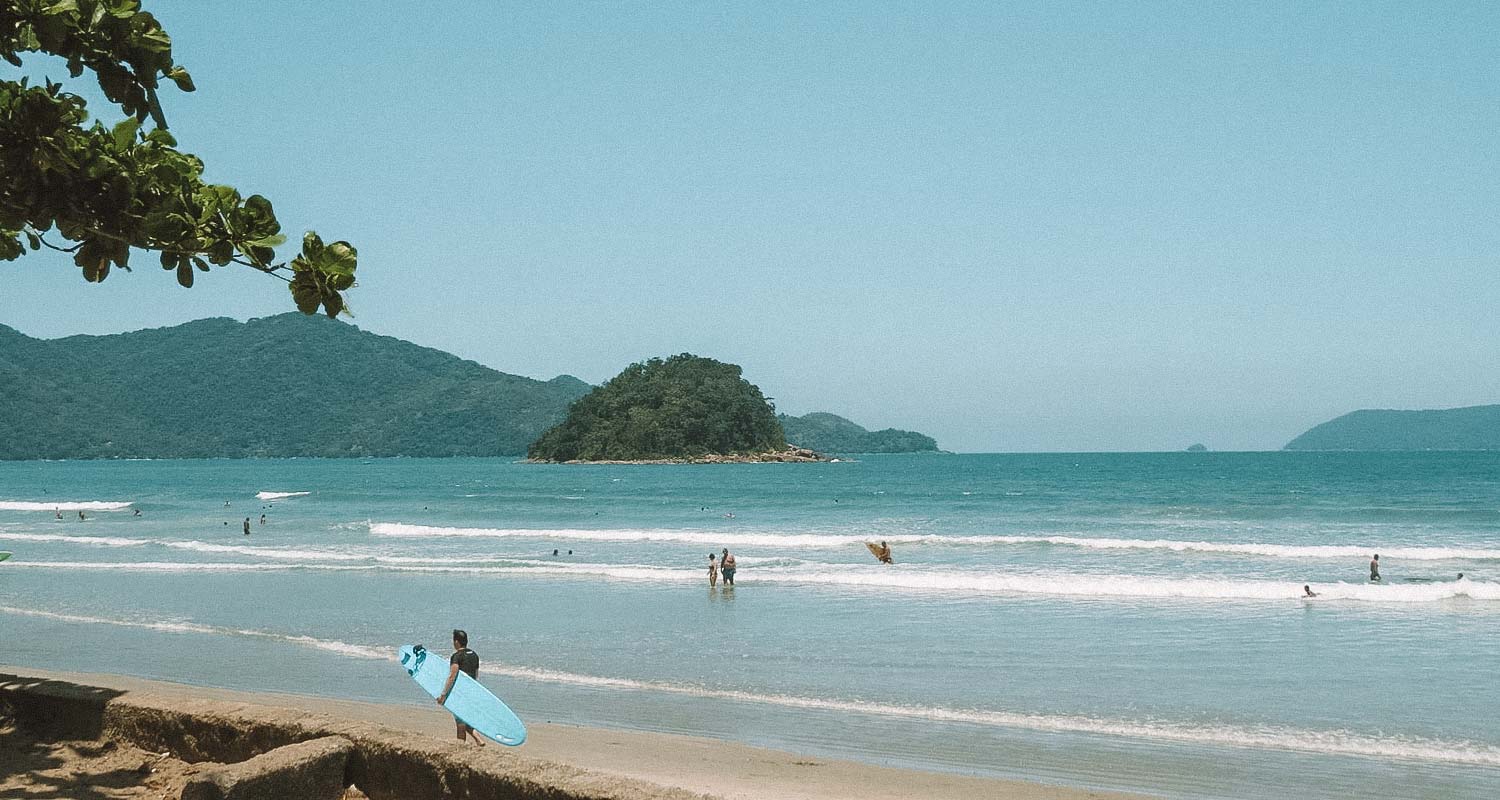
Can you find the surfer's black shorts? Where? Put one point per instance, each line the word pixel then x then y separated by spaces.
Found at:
pixel 729 574
pixel 463 730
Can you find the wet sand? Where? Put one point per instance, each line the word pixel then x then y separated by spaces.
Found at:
pixel 708 766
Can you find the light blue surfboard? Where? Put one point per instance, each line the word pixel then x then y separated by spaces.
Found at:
pixel 473 704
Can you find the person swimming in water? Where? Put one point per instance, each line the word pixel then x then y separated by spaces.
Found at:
pixel 1308 592
pixel 1375 568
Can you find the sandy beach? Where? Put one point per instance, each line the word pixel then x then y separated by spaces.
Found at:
pixel 705 766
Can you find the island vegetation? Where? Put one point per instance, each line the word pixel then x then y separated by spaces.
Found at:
pixel 282 386
pixel 831 433
pixel 682 408
pixel 1470 428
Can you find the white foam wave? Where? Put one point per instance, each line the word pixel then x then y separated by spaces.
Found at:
pixel 157 566
pixel 1123 586
pixel 279 495
pixel 97 541
pixel 707 538
pixel 938 582
pixel 69 505
pixel 1328 742
pixel 1335 742
pixel 167 626
pixel 281 554
pixel 1336 552
pixel 819 540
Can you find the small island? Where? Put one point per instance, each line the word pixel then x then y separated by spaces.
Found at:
pixel 682 409
pixel 1197 448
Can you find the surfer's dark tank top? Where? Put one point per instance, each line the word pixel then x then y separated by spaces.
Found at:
pixel 467 661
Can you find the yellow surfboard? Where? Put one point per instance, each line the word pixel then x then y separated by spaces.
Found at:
pixel 882 554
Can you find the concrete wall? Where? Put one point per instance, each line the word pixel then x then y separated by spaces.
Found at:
pixel 386 763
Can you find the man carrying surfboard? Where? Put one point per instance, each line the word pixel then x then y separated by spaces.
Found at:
pixel 467 661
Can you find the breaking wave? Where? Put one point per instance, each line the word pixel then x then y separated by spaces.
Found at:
pixel 279 495
pixel 69 505
pixel 962 583
pixel 820 540
pixel 342 648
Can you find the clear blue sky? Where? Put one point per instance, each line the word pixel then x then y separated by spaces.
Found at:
pixel 1015 226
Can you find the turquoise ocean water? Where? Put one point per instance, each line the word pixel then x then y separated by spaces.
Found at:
pixel 1122 621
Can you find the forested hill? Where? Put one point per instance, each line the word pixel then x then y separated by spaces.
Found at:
pixel 684 407
pixel 830 433
pixel 288 385
pixel 1471 428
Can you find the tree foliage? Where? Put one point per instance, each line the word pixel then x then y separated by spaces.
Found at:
pixel 685 406
pixel 111 190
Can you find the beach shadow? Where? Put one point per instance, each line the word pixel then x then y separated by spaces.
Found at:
pixel 54 709
pixel 33 766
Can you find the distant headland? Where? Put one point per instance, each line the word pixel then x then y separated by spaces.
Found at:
pixel 1470 428
pixel 831 433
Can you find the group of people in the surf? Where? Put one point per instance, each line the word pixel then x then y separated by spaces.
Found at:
pixel 1374 577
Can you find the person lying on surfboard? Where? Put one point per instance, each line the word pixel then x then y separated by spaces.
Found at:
pixel 468 661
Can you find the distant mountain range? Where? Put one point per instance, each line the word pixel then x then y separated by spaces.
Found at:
pixel 292 385
pixel 288 385
pixel 830 433
pixel 1471 428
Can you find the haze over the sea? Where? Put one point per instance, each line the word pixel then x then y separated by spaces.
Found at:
pixel 1035 226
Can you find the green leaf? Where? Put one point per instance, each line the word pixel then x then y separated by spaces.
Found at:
pixel 161 136
pixel 61 7
pixel 312 248
pixel 184 81
pixel 185 275
pixel 124 133
pixel 305 293
pixel 340 258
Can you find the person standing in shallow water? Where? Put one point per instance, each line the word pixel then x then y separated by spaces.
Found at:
pixel 247 526
pixel 726 567
pixel 1375 568
pixel 713 571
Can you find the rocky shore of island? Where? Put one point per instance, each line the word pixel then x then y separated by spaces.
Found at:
pixel 787 455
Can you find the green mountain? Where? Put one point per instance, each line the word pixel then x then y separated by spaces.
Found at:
pixel 288 385
pixel 830 433
pixel 683 407
pixel 1472 428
